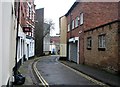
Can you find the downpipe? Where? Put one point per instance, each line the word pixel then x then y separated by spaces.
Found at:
pixel 19 79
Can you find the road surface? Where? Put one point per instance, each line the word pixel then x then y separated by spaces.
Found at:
pixel 55 73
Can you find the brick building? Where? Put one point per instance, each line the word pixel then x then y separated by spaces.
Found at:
pixel 93 34
pixel 25 48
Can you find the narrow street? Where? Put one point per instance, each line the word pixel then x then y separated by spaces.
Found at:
pixel 55 73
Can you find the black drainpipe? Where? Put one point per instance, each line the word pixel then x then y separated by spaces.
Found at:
pixel 70 25
pixel 16 67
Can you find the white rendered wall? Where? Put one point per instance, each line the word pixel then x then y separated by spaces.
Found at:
pixel 8 43
pixel 0 44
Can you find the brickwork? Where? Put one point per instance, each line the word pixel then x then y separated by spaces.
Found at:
pixel 96 14
pixel 107 59
pixel 119 45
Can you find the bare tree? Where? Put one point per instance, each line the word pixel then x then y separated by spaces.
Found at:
pixel 51 26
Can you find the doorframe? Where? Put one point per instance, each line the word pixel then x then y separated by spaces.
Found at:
pixel 72 40
pixel 78 51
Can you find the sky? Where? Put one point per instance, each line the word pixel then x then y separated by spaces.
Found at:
pixel 54 9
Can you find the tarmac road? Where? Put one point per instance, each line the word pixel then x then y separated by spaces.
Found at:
pixel 55 73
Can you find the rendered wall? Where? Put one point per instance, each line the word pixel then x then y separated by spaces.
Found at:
pixel 63 37
pixel 8 42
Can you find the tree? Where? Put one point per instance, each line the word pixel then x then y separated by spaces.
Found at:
pixel 50 27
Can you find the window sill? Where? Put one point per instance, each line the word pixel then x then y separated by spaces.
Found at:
pixel 81 24
pixel 101 49
pixel 88 48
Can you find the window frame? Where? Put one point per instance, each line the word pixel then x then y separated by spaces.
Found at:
pixel 73 24
pixel 68 27
pixel 81 18
pixel 77 21
pixel 102 42
pixel 89 43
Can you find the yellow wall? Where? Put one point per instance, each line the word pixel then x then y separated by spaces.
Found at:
pixel 63 36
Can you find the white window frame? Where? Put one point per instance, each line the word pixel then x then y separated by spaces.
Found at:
pixel 76 21
pixel 81 18
pixel 102 41
pixel 89 42
pixel 73 24
pixel 68 27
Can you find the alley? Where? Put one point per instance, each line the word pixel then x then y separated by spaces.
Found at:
pixel 55 73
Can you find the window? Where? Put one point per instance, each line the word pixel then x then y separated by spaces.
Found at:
pixel 68 27
pixel 73 24
pixel 81 18
pixel 89 43
pixel 76 21
pixel 101 42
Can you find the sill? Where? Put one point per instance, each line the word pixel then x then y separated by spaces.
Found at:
pixel 76 27
pixel 101 49
pixel 88 48
pixel 81 24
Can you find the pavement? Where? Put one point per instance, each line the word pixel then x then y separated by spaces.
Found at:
pixel 100 75
pixel 27 71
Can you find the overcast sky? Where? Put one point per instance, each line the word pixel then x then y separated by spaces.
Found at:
pixel 53 9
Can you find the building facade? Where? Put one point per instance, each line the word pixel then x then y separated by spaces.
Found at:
pixel 63 37
pixel 8 30
pixel 93 34
pixel 46 39
pixel 17 37
pixel 39 28
pixel 26 41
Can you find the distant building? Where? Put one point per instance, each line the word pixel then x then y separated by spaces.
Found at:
pixel 93 34
pixel 46 39
pixel 55 45
pixel 39 28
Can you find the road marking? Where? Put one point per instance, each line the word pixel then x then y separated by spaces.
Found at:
pixel 87 77
pixel 45 84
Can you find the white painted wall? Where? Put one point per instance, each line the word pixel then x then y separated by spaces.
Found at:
pixel 25 46
pixel 46 43
pixel 0 44
pixel 31 44
pixel 21 44
pixel 8 43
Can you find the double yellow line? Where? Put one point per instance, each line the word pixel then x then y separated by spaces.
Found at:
pixel 44 83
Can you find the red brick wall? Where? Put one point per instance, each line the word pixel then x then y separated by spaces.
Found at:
pixel 95 14
pixel 98 13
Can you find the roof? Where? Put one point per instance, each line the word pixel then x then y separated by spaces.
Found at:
pixel 55 39
pixel 73 6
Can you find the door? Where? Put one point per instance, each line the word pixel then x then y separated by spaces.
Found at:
pixel 27 50
pixel 73 51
